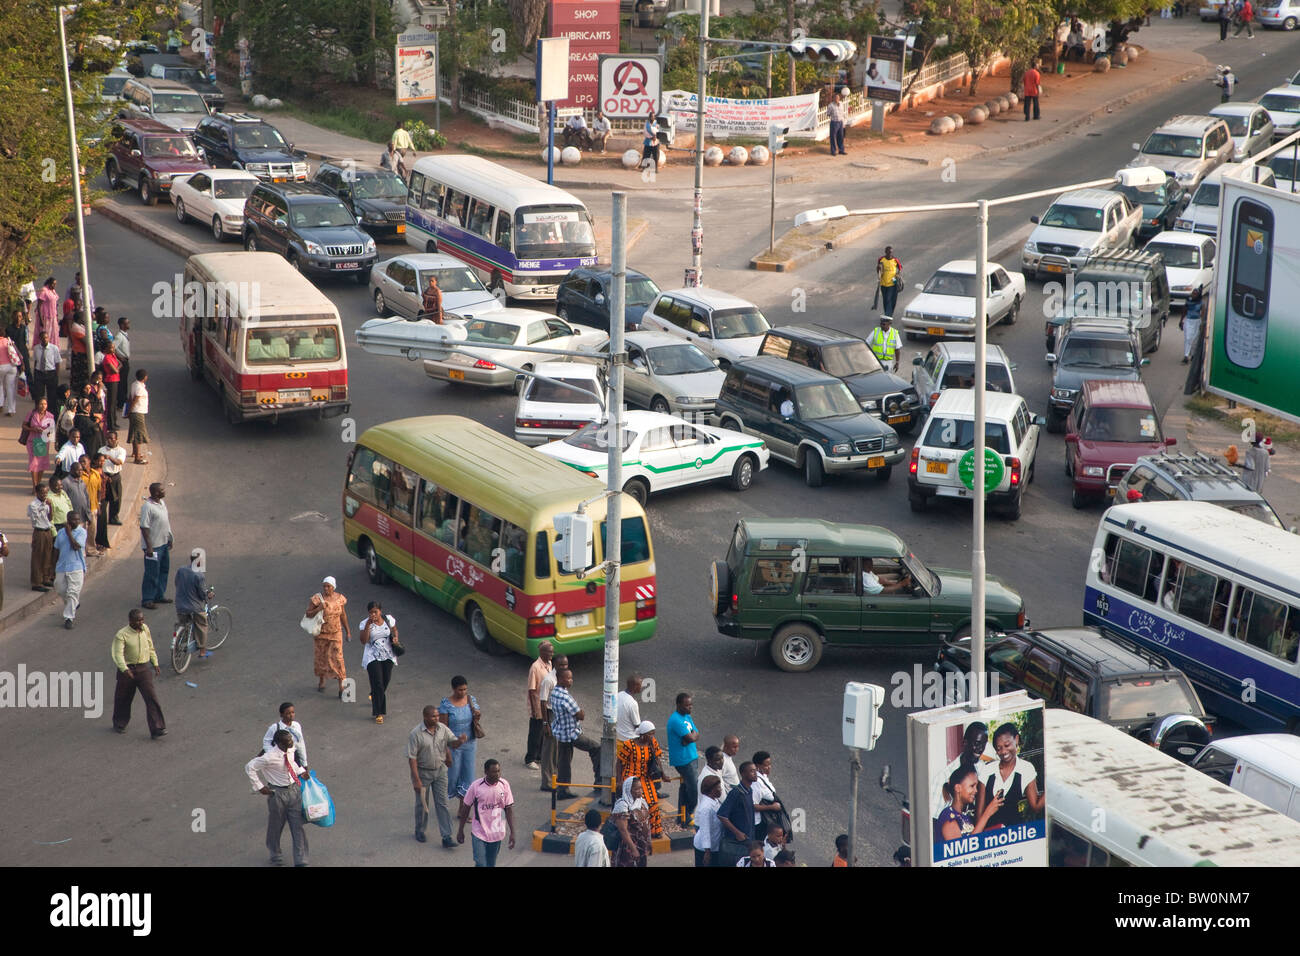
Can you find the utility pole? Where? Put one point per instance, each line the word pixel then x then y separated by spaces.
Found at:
pixel 695 277
pixel 77 212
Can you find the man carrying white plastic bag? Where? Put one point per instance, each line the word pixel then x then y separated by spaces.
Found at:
pixel 273 774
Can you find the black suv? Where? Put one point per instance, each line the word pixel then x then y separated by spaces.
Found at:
pixel 1127 286
pixel 1198 477
pixel 1090 349
pixel 377 197
pixel 246 142
pixel 851 360
pixel 1098 674
pixel 583 297
pixel 310 227
pixel 809 419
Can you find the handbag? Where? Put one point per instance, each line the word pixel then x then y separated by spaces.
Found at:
pixel 611 835
pixel 779 818
pixel 311 623
pixel 398 648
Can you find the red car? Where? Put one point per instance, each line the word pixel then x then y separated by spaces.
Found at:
pixel 144 155
pixel 1111 426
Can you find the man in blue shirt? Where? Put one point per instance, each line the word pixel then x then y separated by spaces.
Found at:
pixel 682 753
pixel 70 569
pixel 192 600
pixel 737 817
pixel 566 728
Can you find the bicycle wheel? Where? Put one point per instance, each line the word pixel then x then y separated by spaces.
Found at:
pixel 181 642
pixel 218 626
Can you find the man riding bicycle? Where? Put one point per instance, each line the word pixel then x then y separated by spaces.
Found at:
pixel 192 594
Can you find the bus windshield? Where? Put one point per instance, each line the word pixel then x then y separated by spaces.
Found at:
pixel 269 345
pixel 553 232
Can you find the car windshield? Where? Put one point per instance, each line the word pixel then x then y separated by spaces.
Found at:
pixel 259 137
pixel 112 85
pixel 852 358
pixel 922 575
pixel 738 323
pixel 1168 144
pixel 681 359
pixel 1280 103
pixel 497 333
pixel 232 188
pixel 175 147
pixel 1073 217
pixel 453 279
pixel 1139 697
pixel 952 283
pixel 1122 425
pixel 1146 195
pixel 1207 195
pixel 553 232
pixel 278 346
pixel 178 103
pixel 319 215
pixel 959 435
pixel 563 391
pixel 595 437
pixel 1096 353
pixel 639 291
pixel 1177 256
pixel 380 186
pixel 997 378
pixel 825 401
pixel 184 75
pixel 1237 125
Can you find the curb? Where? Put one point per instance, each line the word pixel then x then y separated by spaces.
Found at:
pixel 544 841
pixel 839 241
pixel 164 237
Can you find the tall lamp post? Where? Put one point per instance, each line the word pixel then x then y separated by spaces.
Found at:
pixel 78 217
pixel 696 276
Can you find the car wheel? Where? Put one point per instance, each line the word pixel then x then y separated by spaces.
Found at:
pixel 660 404
pixel 478 631
pixel 373 570
pixel 1014 312
pixel 882 474
pixel 917 502
pixel 562 312
pixel 723 365
pixel 1078 499
pixel 797 648
pixel 380 304
pixel 114 177
pixel 907 429
pixel 1029 475
pixel 637 490
pixel 218 233
pixel 910 335
pixel 742 476
pixel 180 210
pixel 250 242
pixel 361 278
pixel 1289 24
pixel 719 586
pixel 146 194
pixel 1012 511
pixel 1069 469
pixel 296 263
pixel 813 471
pixel 498 289
pixel 732 424
pixel 1029 274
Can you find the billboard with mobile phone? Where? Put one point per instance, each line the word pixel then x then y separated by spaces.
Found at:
pixel 1254 337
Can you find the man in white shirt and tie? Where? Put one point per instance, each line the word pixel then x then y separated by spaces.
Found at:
pixel 273 774
pixel 45 369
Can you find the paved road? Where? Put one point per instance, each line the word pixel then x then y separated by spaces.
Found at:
pixel 264 501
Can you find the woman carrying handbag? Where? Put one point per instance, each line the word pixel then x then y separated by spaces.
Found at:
pixel 379 656
pixel 10 365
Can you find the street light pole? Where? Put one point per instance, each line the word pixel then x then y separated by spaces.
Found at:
pixel 977 535
pixel 76 196
pixel 697 223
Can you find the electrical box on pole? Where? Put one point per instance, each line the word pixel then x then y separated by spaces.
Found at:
pixel 572 546
pixel 862 721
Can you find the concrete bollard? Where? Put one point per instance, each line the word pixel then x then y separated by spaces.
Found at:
pixel 1101 64
pixel 976 115
pixel 571 156
pixel 942 125
pixel 759 156
pixel 738 156
pixel 713 156
pixel 631 158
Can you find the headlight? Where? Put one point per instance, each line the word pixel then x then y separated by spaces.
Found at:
pixel 256 168
pixel 1031 248
pixel 370 245
pixel 1152 222
pixel 870 404
pixel 300 169
pixel 891 441
pixel 693 400
pixel 373 217
pixel 1085 250
pixel 909 314
pixel 1063 393
pixel 234 219
pixel 163 177
pixel 312 248
pixel 843 448
pixel 1094 471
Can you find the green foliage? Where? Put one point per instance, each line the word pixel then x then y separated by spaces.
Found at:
pixel 425 138
pixel 1103 10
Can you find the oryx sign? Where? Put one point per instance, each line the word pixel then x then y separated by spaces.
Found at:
pixel 630 86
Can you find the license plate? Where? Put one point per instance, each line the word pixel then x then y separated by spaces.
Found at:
pixel 401 229
pixel 455 374
pixel 934 331
pixel 577 620
pixel 1052 267
pixel 876 462
pixel 936 467
pixel 278 179
pixel 343 266
pixel 1110 492
pixel 899 419
pixel 295 394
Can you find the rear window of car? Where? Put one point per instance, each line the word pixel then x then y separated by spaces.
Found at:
pixel 959 435
pixel 1139 697
pixel 962 375
pixel 568 391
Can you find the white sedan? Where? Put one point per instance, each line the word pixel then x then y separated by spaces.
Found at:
pixel 489 340
pixel 946 306
pixel 1189 261
pixel 663 451
pixel 215 197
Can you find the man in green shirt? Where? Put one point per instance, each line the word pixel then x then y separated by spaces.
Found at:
pixel 60 503
pixel 133 655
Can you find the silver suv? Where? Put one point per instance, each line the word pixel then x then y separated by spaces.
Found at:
pixel 1198 477
pixel 952 365
pixel 1187 148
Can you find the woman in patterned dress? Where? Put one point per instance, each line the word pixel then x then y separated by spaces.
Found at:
pixel 328 644
pixel 635 758
pixel 631 815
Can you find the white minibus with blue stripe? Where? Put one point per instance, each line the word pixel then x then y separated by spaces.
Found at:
pixel 1215 592
pixel 521 235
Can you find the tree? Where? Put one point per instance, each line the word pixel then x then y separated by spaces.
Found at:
pixel 1090 11
pixel 528 16
pixel 36 188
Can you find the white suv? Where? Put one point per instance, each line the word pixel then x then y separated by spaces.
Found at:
pixel 723 326
pixel 1079 225
pixel 1011 432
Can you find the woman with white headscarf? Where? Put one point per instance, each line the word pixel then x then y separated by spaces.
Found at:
pixel 631 815
pixel 328 644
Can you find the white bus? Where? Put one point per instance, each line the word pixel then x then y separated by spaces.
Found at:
pixel 521 235
pixel 1215 592
pixel 1115 801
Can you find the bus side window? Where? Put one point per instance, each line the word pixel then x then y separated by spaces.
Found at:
pixel 429 511
pixel 1195 595
pixel 502 239
pixel 434 194
pixel 514 542
pixel 231 335
pixel 415 189
pixel 541 557
pixel 1271 627
pixel 362 479
pixel 481 531
pixel 1132 562
pixel 455 208
pixel 1065 848
pixel 1111 547
pixel 402 492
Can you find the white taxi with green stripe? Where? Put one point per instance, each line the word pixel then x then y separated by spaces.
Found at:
pixel 664 451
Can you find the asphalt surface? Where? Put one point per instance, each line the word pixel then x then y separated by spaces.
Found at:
pixel 265 502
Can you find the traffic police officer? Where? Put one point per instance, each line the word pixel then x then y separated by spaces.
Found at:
pixel 885 343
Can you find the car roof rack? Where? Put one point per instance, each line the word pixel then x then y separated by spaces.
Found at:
pixel 238 117
pixel 1124 643
pixel 1198 466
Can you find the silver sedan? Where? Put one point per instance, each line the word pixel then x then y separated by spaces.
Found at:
pixel 667 375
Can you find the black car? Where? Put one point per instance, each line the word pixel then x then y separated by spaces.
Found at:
pixel 168 66
pixel 1160 205
pixel 1098 674
pixel 246 142
pixel 583 297
pixel 809 419
pixel 377 197
pixel 850 359
pixel 310 227
pixel 1090 349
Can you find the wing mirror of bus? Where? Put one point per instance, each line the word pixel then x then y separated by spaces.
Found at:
pixel 1171 441
pixel 281 221
pixel 1145 362
pixel 1072 438
pixel 1040 420
pixel 1034 220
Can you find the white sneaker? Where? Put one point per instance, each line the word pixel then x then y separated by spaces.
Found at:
pixel 533 765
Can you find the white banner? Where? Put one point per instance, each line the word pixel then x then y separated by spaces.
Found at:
pixel 417 68
pixel 726 117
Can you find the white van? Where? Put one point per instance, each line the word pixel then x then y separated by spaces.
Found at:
pixel 1263 766
pixel 1202 213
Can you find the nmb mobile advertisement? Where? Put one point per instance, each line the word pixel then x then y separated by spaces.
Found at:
pixel 976 779
pixel 1255 336
pixel 417 68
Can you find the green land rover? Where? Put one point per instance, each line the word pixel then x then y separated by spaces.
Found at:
pixel 803 583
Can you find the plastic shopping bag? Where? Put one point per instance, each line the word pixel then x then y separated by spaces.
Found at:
pixel 317 804
pixel 311 623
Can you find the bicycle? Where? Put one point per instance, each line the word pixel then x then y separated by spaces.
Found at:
pixel 184 643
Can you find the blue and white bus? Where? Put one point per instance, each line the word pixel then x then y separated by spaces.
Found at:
pixel 521 235
pixel 1214 591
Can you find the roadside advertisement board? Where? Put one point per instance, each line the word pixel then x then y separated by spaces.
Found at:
pixel 1255 332
pixel 591 27
pixel 726 117
pixel 630 86
pixel 884 79
pixel 417 68
pixel 977 784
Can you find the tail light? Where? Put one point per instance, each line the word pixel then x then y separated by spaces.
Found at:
pixel 338 393
pixel 591 473
pixel 1015 471
pixel 645 609
pixel 248 398
pixel 735 603
pixel 546 423
pixel 916 454
pixel 484 363
pixel 1020 618
pixel 541 626
pixel 934 397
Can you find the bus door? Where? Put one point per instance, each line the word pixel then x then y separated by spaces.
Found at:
pixel 386 491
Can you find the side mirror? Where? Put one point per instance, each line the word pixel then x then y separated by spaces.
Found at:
pixel 1014 366
pixel 1034 220
pixel 1040 420
pixel 920 287
pixel 520 381
pixel 1138 147
pixel 600 298
pixel 1051 358
pixel 281 222
pixel 135 152
pixel 705 334
pixel 1170 441
pixel 717 363
pixel 917 360
pixel 1072 438
pixel 1144 362
pixel 408 288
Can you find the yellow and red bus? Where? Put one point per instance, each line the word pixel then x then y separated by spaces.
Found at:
pixel 464 516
